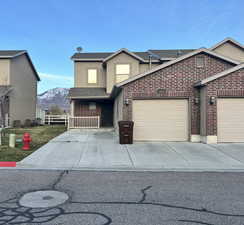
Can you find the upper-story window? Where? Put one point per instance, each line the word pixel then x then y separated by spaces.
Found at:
pixel 200 61
pixel 122 72
pixel 92 76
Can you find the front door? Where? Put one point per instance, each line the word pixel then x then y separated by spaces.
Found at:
pixel 107 115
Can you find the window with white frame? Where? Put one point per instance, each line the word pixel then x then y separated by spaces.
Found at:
pixel 92 106
pixel 92 76
pixel 200 61
pixel 122 72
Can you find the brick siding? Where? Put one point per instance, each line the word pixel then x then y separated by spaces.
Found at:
pixel 176 81
pixel 231 85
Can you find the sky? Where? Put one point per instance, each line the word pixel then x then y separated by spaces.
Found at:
pixel 51 30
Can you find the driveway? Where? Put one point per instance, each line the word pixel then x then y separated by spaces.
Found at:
pixel 99 149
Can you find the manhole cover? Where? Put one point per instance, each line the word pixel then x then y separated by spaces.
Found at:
pixel 43 199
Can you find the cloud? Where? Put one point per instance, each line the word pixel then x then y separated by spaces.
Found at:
pixel 55 77
pixel 49 81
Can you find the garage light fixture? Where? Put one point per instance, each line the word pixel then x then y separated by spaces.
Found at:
pixel 212 100
pixel 196 101
pixel 127 101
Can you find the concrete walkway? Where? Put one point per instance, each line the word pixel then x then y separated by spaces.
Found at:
pixel 99 149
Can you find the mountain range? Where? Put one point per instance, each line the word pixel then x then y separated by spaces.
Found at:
pixel 56 96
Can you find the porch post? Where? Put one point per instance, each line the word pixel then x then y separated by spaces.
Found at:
pixel 72 106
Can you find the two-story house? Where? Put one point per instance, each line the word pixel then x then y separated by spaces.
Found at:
pixel 95 74
pixel 171 95
pixel 18 87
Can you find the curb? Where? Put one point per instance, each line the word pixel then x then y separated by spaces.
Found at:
pixel 7 164
pixel 156 170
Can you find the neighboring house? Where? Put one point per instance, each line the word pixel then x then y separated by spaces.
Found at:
pixel 18 87
pixel 171 95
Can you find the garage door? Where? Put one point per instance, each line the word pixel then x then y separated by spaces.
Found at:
pixel 230 119
pixel 160 120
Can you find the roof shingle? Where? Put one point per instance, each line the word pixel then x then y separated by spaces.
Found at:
pixel 170 53
pixel 10 53
pixel 157 54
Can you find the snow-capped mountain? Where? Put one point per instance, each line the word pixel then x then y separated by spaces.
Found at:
pixel 55 96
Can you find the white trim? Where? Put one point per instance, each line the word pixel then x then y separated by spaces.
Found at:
pixel 164 65
pixel 195 138
pixel 219 75
pixel 226 40
pixel 126 51
pixel 211 139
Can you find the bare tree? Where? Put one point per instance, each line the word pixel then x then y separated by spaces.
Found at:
pixel 4 93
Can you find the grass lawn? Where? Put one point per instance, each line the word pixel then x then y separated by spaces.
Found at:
pixel 40 135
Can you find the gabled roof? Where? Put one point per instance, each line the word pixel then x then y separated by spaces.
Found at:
pixel 156 55
pixel 10 54
pixel 219 75
pixel 126 51
pixel 164 65
pixel 228 39
pixel 88 93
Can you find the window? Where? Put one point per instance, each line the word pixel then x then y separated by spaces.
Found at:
pixel 92 76
pixel 200 61
pixel 92 106
pixel 122 72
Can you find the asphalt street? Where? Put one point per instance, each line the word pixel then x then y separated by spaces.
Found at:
pixel 124 198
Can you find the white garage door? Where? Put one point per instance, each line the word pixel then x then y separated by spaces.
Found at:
pixel 230 119
pixel 160 120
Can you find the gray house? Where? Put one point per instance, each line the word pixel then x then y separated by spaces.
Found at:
pixel 18 87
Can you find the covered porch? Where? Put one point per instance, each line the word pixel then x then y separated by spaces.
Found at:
pixel 90 110
pixel 93 113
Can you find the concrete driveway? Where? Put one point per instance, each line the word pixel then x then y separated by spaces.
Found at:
pixel 99 149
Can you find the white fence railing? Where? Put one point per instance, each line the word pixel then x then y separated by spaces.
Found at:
pixel 40 113
pixel 84 122
pixel 53 119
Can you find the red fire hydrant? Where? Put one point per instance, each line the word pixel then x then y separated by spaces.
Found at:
pixel 26 141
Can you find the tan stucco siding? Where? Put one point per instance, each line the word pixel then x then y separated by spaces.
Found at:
pixel 121 58
pixel 24 83
pixel 145 67
pixel 230 50
pixel 118 110
pixel 81 74
pixel 4 71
